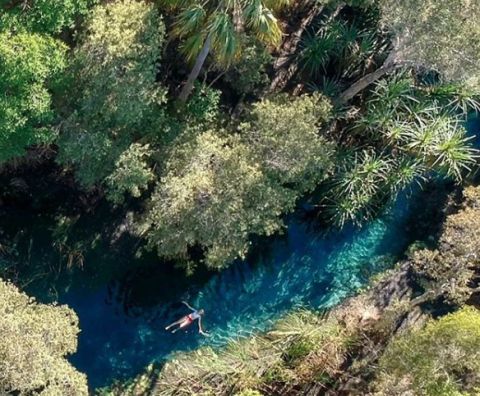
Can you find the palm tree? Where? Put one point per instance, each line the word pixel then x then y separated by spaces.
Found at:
pixel 214 26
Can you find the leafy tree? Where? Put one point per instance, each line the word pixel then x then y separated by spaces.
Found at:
pixel 443 358
pixel 219 189
pixel 35 340
pixel 132 174
pixel 213 194
pixel 449 271
pixel 284 134
pixel 28 63
pixel 438 35
pixel 49 16
pixel 215 26
pixel 118 100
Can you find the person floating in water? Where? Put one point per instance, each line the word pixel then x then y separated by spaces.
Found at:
pixel 188 320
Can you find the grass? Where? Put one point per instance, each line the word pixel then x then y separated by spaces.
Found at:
pixel 301 347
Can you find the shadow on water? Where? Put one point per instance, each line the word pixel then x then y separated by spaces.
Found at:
pixel 123 323
pixel 124 302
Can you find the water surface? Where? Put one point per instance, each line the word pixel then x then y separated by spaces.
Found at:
pixel 118 338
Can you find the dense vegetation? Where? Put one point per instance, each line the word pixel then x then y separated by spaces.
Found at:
pixel 377 343
pixel 208 122
pixel 35 341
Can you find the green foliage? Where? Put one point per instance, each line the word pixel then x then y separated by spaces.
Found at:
pixel 35 340
pixel 415 122
pixel 317 50
pixel 217 19
pixel 284 134
pixel 246 366
pixel 214 195
pixel 438 34
pixel 218 27
pixel 203 106
pixel 449 271
pixel 218 189
pixel 410 132
pixel 248 73
pixel 443 358
pixel 131 173
pixel 49 16
pixel 341 49
pixel 28 62
pixel 117 100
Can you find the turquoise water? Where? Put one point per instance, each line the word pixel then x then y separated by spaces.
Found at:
pixel 118 339
pixel 123 322
pixel 124 303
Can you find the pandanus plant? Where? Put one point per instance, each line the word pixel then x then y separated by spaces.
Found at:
pixel 215 27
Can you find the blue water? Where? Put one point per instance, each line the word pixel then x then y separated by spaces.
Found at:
pixel 123 320
pixel 302 268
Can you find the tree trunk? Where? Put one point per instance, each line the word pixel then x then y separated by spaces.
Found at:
pixel 389 66
pixel 188 87
pixel 285 66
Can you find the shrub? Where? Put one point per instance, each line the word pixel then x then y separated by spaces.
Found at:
pixel 29 62
pixel 250 364
pixel 35 340
pixel 440 359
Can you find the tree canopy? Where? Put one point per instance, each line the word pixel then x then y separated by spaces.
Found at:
pixel 49 16
pixel 29 62
pixel 117 99
pixel 35 340
pixel 436 35
pixel 220 188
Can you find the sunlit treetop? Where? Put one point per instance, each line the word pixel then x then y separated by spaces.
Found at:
pixel 35 341
pixel 49 16
pixel 442 35
pixel 28 64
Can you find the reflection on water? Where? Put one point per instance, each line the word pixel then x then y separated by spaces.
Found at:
pixel 118 338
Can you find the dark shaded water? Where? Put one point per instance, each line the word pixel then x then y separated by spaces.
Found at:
pixel 123 313
pixel 118 339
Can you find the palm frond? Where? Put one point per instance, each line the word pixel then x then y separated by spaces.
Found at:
pixel 262 22
pixel 189 21
pixel 225 41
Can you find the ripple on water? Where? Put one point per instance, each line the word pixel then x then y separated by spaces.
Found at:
pixel 303 268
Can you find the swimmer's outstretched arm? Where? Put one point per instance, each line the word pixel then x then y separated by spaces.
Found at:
pixel 189 306
pixel 200 330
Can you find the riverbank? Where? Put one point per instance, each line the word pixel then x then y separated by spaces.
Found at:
pixel 338 353
pixel 124 302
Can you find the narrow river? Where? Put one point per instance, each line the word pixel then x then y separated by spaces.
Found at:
pixel 302 268
pixel 123 313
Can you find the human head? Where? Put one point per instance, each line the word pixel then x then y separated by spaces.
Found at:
pixel 201 312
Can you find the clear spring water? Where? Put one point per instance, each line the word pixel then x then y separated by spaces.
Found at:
pixel 302 268
pixel 122 317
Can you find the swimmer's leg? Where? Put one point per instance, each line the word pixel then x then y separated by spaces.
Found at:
pixel 174 323
pixel 182 325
